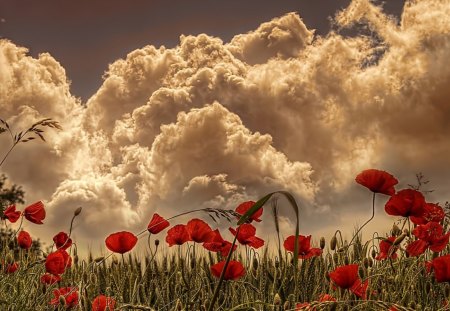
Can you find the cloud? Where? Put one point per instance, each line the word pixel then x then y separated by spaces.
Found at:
pixel 210 124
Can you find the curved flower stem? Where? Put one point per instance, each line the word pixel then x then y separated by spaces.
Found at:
pixel 373 215
pixel 222 274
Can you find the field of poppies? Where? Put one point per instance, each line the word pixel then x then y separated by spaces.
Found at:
pixel 408 268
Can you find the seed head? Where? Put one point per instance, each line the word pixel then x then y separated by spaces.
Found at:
pixel 322 243
pixel 77 211
pixel 333 243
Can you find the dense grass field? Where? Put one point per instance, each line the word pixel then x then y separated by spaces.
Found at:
pixel 405 268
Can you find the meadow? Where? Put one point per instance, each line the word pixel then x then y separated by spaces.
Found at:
pixel 405 268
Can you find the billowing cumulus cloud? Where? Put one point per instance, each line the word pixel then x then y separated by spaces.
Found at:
pixel 210 124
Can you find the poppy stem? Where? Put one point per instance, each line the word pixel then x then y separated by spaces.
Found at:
pixel 360 228
pixel 222 274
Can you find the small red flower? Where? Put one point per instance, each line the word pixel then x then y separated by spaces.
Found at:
pixel 121 242
pixel 430 235
pixel 11 214
pixel 57 262
pixel 177 235
pixel 304 246
pixel 199 231
pixel 157 224
pixel 441 267
pixel 346 277
pixel 387 250
pixel 103 303
pixel 218 244
pixel 24 240
pixel 235 270
pixel 246 236
pixel 70 295
pixel 377 181
pixel 407 202
pixel 12 267
pixel 244 207
pixel 35 213
pixel 432 212
pixel 50 279
pixel 62 241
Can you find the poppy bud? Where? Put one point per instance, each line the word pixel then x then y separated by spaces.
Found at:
pixel 93 278
pixel 396 230
pixel 77 211
pixel 156 242
pixel 277 300
pixel 192 262
pixel 361 272
pixel 255 264
pixel 75 259
pixel 428 287
pixel 374 253
pixel 62 300
pixel 366 262
pixel 333 243
pixel 322 243
pixel 399 239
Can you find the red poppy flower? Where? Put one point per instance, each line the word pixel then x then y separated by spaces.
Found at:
pixel 35 213
pixel 50 279
pixel 244 207
pixel 121 242
pixel 407 202
pixel 157 224
pixel 347 277
pixel 432 212
pixel 218 244
pixel 235 270
pixel 246 236
pixel 24 240
pixel 177 235
pixel 387 250
pixel 103 303
pixel 377 181
pixel 430 235
pixel 304 246
pixel 11 214
pixel 199 231
pixel 441 267
pixel 70 295
pixel 12 267
pixel 62 241
pixel 57 262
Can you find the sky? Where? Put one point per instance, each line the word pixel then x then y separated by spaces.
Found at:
pixel 209 104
